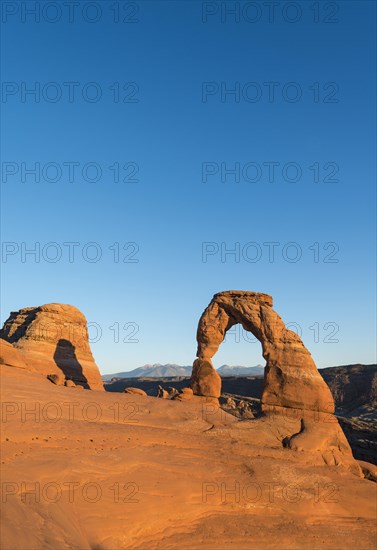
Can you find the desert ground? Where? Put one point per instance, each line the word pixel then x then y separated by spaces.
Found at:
pixel 87 469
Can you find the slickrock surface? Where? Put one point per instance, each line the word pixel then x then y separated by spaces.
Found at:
pixel 53 338
pixel 115 471
pixel 10 356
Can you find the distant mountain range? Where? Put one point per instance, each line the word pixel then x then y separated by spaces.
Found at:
pixel 236 370
pixel 171 370
pixel 151 371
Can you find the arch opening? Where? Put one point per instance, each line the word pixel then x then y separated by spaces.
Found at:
pixel 239 354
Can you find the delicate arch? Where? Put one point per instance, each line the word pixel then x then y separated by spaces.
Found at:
pixel 291 377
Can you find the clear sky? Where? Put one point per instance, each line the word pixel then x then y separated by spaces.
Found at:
pixel 134 130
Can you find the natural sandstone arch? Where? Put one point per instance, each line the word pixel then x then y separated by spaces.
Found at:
pixel 291 377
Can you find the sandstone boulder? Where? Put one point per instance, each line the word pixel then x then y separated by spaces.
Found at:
pixel 53 339
pixel 162 393
pixel 135 391
pixel 172 392
pixel 70 384
pixel 369 470
pixel 230 403
pixel 57 379
pixel 185 394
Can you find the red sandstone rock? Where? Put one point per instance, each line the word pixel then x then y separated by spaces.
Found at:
pixel 292 383
pixel 53 339
pixel 291 377
pixel 136 391
pixel 205 380
pixel 10 356
pixel 57 379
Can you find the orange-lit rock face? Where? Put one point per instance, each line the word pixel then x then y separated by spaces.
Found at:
pixel 11 357
pixel 53 338
pixel 293 388
pixel 291 377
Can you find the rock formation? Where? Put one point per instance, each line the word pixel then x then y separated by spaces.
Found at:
pixel 291 377
pixel 242 408
pixel 53 339
pixel 184 394
pixel 205 379
pixel 162 393
pixel 293 387
pixel 172 392
pixel 57 379
pixel 11 357
pixel 135 391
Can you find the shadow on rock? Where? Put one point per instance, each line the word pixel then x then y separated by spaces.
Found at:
pixel 66 360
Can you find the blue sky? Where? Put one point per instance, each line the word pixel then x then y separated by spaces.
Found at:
pixel 151 101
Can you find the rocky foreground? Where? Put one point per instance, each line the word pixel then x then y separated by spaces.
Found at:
pixel 354 388
pixel 100 470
